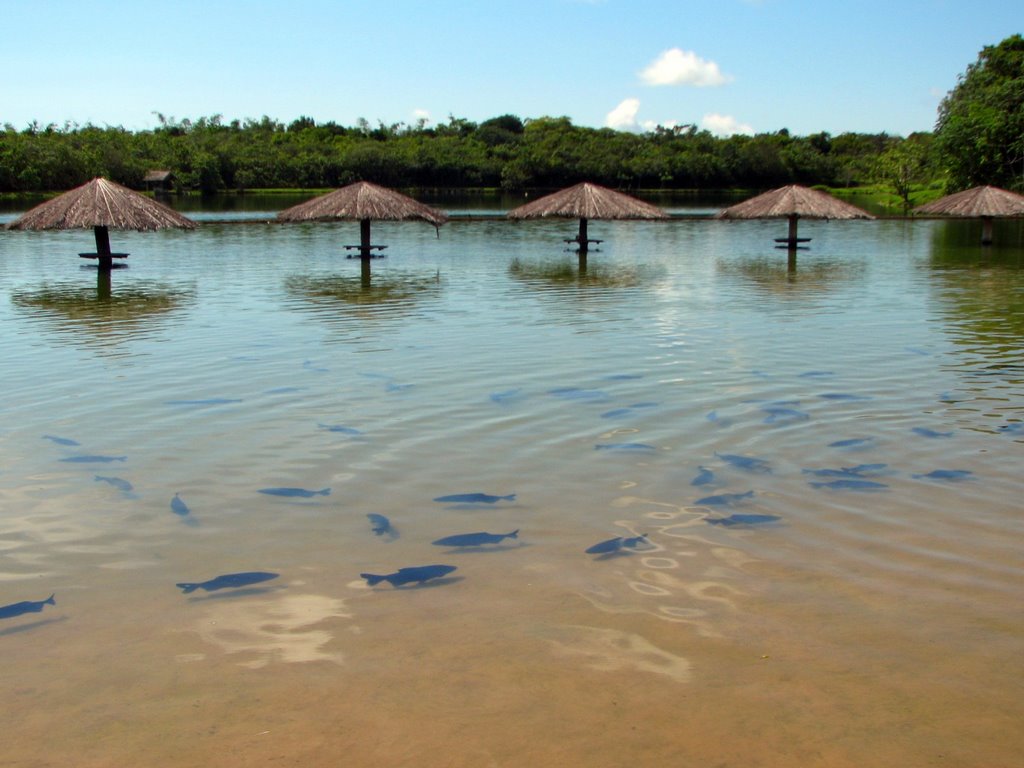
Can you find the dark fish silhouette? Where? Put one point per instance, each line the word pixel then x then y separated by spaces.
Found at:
pixel 723 499
pixel 1013 429
pixel 505 396
pixel 227 581
pixel 178 506
pixel 90 459
pixel 617 544
pixel 740 519
pixel 776 415
pixel 747 463
pixel 851 485
pixel 282 390
pixel 415 574
pixel 853 442
pixel 842 396
pixel 207 401
pixel 575 393
pixel 295 492
pixel 617 412
pixel 946 474
pixel 816 374
pixel 25 606
pixel 474 498
pixel 704 477
pixel 624 447
pixel 61 440
pixel 859 471
pixel 380 524
pixel 339 428
pixel 117 482
pixel 475 539
pixel 925 432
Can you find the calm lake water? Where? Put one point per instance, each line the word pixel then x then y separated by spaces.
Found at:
pixel 850 594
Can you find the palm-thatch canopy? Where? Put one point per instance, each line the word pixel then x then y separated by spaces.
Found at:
pixel 793 202
pixel 586 201
pixel 985 203
pixel 977 203
pixel 102 203
pixel 363 202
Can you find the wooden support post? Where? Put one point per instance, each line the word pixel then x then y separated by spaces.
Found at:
pixel 582 237
pixel 792 229
pixel 103 258
pixel 364 238
pixel 986 230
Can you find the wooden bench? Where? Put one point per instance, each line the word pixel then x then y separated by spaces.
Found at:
pixel 109 255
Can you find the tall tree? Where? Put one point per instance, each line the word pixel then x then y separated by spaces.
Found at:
pixel 980 130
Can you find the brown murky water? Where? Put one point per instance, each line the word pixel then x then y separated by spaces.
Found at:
pixel 840 626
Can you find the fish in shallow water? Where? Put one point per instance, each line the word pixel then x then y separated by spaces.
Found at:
pixel 946 474
pixel 704 477
pixel 92 459
pixel 379 524
pixel 339 428
pixel 624 447
pixel 416 574
pixel 60 440
pixel 925 432
pixel 474 498
pixel 178 506
pixel 25 606
pixel 842 396
pixel 619 543
pixel 207 401
pixel 301 493
pixel 746 463
pixel 741 519
pixel 851 485
pixel 858 471
pixel 117 482
pixel 723 499
pixel 777 415
pixel 852 442
pixel 227 581
pixel 475 539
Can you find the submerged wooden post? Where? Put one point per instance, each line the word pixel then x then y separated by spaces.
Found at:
pixel 104 260
pixel 792 229
pixel 986 230
pixel 582 237
pixel 364 238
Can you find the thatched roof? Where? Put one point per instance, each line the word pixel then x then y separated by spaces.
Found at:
pixel 363 201
pixel 158 176
pixel 793 200
pixel 976 203
pixel 588 201
pixel 101 203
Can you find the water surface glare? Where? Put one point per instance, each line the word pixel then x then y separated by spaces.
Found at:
pixel 866 615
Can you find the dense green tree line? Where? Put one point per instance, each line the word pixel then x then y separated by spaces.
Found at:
pixel 210 155
pixel 979 139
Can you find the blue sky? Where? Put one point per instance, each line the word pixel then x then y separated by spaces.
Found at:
pixel 726 65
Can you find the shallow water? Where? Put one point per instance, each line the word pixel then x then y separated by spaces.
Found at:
pixel 863 627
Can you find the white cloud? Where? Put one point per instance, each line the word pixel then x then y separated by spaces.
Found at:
pixel 724 125
pixel 623 117
pixel 421 114
pixel 678 67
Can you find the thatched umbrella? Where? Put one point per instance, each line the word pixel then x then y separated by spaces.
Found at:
pixel 102 205
pixel 363 202
pixel 793 202
pixel 983 203
pixel 587 201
